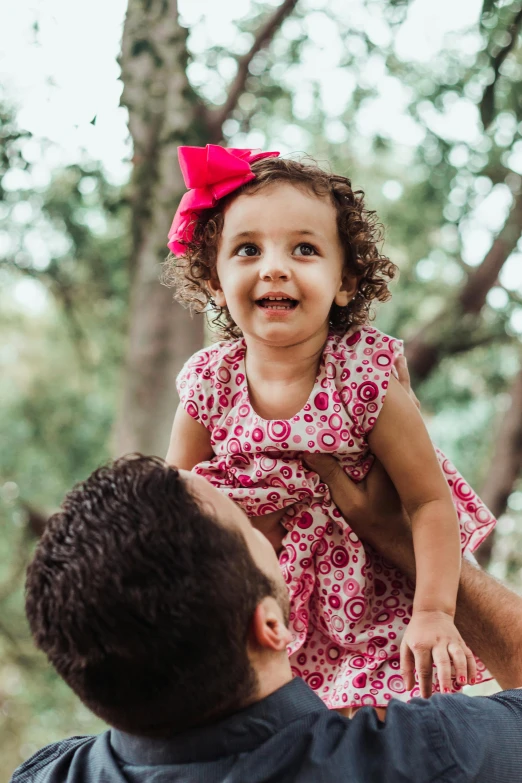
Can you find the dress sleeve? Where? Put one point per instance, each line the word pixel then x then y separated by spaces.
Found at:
pixel 195 385
pixel 368 358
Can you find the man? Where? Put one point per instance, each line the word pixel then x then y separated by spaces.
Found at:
pixel 165 611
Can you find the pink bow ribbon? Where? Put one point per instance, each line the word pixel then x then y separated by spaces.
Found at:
pixel 210 172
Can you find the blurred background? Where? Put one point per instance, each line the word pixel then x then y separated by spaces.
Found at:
pixel 418 102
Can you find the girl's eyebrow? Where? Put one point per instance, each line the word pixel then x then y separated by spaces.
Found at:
pixel 252 234
pixel 243 235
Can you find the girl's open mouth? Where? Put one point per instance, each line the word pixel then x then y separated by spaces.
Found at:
pixel 277 303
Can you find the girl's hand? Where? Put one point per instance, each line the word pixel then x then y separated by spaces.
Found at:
pixel 432 638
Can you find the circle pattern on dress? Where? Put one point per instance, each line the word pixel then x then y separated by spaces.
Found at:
pixel 349 609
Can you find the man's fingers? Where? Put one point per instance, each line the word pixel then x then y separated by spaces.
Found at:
pixel 403 375
pixel 407 667
pixel 324 465
pixel 442 661
pixel 345 493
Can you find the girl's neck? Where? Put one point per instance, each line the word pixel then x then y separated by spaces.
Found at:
pixel 285 363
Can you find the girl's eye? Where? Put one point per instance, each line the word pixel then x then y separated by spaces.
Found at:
pixel 304 249
pixel 247 250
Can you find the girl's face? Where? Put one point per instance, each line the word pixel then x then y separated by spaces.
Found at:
pixel 280 265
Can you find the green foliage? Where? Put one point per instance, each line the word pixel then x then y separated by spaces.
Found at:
pixel 62 320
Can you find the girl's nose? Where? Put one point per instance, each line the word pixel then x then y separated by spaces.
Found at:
pixel 274 267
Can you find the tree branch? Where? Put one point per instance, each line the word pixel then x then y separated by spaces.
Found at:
pixel 487 6
pixel 34 526
pixel 506 464
pixel 487 104
pixel 18 565
pixel 78 336
pixel 264 35
pixel 9 635
pixel 469 341
pixel 434 340
pixel 473 295
pixel 36 520
pixel 513 296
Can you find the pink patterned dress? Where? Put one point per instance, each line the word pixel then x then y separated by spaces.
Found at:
pixel 349 606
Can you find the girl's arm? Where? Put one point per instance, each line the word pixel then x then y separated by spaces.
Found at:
pixel 401 442
pixel 189 442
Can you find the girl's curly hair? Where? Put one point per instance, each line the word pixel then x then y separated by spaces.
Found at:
pixel 359 230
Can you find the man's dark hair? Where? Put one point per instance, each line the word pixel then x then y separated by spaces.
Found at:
pixel 142 600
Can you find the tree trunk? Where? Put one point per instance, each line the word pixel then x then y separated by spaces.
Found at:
pixel 163 113
pixel 440 337
pixel 505 465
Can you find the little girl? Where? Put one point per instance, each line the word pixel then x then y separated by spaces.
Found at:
pixel 286 257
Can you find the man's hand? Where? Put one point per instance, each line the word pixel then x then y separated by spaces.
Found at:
pixel 372 506
pixel 270 526
pixel 401 372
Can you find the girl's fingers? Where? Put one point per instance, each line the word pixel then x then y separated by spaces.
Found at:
pixel 424 669
pixel 407 667
pixel 464 663
pixel 460 663
pixel 442 661
pixel 472 665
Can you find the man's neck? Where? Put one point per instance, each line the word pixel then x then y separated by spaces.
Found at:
pixel 271 676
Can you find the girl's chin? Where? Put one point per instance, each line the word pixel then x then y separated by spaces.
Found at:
pixel 282 335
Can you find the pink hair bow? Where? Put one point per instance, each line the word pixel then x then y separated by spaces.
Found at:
pixel 210 172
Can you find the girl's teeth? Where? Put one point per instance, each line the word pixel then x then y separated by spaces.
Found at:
pixel 272 304
pixel 277 303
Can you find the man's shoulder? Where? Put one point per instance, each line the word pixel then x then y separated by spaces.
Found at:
pixel 446 738
pixel 322 745
pixel 40 767
pixel 479 737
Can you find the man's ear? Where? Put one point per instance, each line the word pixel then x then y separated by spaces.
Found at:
pixel 347 290
pixel 268 629
pixel 216 292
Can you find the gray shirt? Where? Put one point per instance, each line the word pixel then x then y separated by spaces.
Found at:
pixel 291 737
